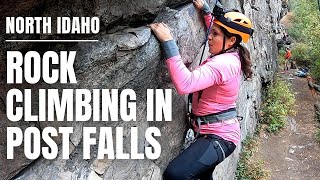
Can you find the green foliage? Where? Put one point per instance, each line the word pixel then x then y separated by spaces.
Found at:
pixel 318 136
pixel 281 58
pixel 282 52
pixel 315 70
pixel 317 116
pixel 300 54
pixel 248 168
pixel 279 103
pixel 306 32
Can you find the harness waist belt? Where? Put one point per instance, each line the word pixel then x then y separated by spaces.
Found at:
pixel 216 117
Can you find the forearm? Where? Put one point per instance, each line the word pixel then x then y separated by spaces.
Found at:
pixel 177 70
pixel 207 20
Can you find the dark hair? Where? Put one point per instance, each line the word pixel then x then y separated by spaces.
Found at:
pixel 243 53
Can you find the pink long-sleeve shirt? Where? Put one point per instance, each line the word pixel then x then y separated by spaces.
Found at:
pixel 219 79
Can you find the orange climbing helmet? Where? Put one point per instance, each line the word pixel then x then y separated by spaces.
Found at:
pixel 236 23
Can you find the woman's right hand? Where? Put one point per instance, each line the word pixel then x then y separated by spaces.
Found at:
pixel 198 3
pixel 161 30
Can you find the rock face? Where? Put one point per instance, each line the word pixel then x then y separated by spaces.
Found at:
pixel 128 56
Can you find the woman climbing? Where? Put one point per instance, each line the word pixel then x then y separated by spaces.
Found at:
pixel 215 85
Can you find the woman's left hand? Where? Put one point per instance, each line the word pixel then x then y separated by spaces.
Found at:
pixel 161 30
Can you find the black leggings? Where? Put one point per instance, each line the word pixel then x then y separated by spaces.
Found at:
pixel 199 160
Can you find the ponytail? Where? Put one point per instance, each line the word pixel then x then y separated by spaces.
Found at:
pixel 245 61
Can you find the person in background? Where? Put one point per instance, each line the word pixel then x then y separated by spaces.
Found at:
pixel 215 86
pixel 285 37
pixel 287 57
